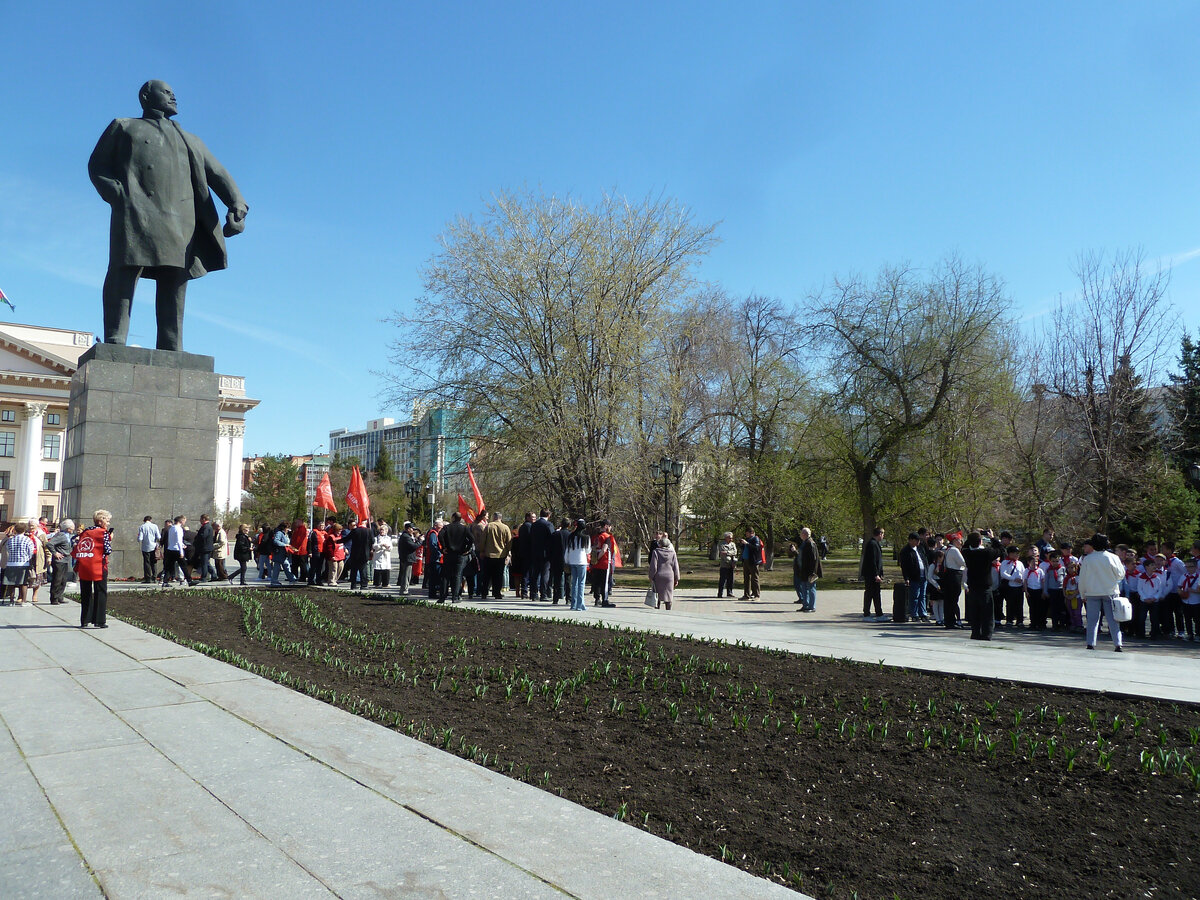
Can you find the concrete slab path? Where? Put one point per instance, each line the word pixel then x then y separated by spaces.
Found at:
pixel 133 767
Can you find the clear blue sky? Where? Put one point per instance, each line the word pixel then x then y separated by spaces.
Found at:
pixel 824 137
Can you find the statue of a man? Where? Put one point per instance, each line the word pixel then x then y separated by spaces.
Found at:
pixel 165 226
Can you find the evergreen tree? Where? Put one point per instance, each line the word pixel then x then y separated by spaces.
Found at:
pixel 1183 406
pixel 384 470
pixel 276 493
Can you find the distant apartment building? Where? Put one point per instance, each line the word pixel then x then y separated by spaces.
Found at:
pixel 428 448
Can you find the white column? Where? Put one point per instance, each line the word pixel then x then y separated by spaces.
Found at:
pixel 233 480
pixel 221 479
pixel 29 463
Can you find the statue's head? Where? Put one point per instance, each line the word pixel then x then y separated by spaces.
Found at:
pixel 157 95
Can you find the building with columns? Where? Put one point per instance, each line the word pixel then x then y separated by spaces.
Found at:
pixel 36 365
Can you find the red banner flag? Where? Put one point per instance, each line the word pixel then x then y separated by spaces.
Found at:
pixel 356 496
pixel 324 495
pixel 464 510
pixel 475 490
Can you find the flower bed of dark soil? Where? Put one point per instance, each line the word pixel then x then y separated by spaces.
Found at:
pixel 836 778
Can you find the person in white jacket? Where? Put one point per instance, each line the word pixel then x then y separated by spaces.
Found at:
pixel 1100 577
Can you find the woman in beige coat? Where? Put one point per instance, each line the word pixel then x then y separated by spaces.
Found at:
pixel 664 569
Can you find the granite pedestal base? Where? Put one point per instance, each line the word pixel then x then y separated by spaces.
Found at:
pixel 141 441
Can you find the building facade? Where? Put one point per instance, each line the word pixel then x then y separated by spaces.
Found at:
pixel 36 365
pixel 428 448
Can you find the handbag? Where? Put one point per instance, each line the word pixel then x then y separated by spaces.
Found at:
pixel 651 598
pixel 1122 609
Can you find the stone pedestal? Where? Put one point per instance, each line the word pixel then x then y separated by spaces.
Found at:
pixel 141 441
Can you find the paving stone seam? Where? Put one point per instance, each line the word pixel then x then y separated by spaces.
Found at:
pixel 304 753
pixel 83 860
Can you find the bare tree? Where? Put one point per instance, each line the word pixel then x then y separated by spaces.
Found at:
pixel 537 323
pixel 1097 354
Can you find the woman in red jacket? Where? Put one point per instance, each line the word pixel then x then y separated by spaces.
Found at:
pixel 91 551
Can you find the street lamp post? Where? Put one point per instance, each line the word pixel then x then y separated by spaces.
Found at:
pixel 412 488
pixel 671 471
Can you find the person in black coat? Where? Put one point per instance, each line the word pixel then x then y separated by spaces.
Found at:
pixel 457 546
pixel 243 550
pixel 358 541
pixel 202 551
pixel 912 566
pixel 541 535
pixel 979 559
pixel 872 573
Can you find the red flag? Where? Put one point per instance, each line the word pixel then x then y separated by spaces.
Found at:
pixel 324 496
pixel 475 490
pixel 464 510
pixel 356 496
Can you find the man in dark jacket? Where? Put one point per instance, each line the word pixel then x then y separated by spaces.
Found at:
pixel 806 569
pixel 912 566
pixel 557 555
pixel 872 573
pixel 752 554
pixel 407 544
pixel 358 541
pixel 541 534
pixel 456 548
pixel 520 556
pixel 979 559
pixel 202 550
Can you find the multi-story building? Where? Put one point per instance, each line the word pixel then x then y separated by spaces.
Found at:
pixel 311 469
pixel 36 365
pixel 428 448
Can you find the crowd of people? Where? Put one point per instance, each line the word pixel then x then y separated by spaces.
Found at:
pixel 1060 585
pixel 538 561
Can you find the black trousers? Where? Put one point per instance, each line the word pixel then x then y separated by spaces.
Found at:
pixel 240 574
pixel 93 602
pixel 452 576
pixel 599 579
pixel 871 593
pixel 494 574
pixel 149 566
pixel 725 581
pixel 556 582
pixel 383 576
pixel 358 576
pixel 979 608
pixel 58 580
pixel 1037 608
pixel 951 581
pixel 316 569
pixel 171 561
pixel 1014 602
pixel 1056 601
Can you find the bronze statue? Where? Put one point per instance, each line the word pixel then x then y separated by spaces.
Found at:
pixel 165 226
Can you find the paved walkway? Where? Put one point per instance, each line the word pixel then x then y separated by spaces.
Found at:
pixel 133 767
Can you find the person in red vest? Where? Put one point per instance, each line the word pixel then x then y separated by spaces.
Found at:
pixel 91 551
